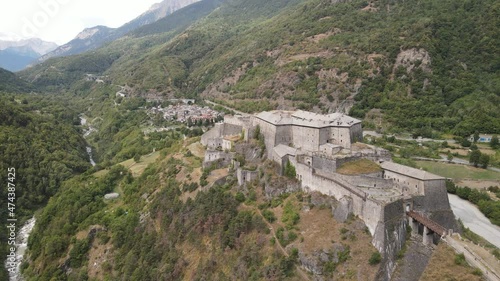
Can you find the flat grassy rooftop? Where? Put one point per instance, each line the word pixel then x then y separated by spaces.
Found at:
pixel 358 167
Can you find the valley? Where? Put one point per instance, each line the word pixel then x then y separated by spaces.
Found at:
pixel 261 140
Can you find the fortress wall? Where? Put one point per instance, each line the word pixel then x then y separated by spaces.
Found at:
pixel 234 120
pixel 340 136
pixel 211 156
pixel 230 130
pixel 371 213
pixel 324 135
pixel 342 161
pixel 215 132
pixel 390 237
pixel 283 135
pixel 356 133
pixel 323 163
pixel 245 122
pixel 436 203
pixel 269 132
pixel 436 195
pixel 306 138
pixel 246 176
pixel 368 181
pixel 415 186
pixel 214 143
pixel 369 210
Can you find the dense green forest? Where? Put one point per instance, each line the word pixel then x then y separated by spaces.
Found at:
pixel 37 138
pixel 10 83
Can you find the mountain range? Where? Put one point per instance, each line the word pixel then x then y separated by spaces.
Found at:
pixel 95 37
pixel 16 55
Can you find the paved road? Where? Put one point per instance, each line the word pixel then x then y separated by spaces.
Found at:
pixel 474 219
pixel 377 135
pixel 444 159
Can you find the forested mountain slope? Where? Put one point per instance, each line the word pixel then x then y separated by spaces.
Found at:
pixel 38 139
pixel 9 82
pixel 422 65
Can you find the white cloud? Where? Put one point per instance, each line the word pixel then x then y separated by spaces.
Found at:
pixel 61 20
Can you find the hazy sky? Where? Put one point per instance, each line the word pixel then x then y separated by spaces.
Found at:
pixel 61 20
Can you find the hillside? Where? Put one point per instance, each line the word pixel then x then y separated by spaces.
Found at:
pixel 38 140
pixel 383 61
pixel 426 67
pixel 179 230
pixel 10 83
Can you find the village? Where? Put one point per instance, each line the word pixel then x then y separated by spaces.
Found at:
pixel 187 112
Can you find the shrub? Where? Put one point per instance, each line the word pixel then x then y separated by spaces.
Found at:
pixel 240 197
pixel 269 216
pixel 375 258
pixel 460 259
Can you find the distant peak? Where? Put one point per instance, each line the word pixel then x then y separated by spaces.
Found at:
pixel 89 32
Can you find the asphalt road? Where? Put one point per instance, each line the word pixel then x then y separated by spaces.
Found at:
pixel 472 218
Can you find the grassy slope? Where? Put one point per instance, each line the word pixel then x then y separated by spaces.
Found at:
pixel 457 172
pixel 442 267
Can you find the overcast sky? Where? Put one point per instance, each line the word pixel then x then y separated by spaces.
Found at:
pixel 61 20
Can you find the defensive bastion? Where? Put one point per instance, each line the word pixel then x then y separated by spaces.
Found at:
pixel 317 145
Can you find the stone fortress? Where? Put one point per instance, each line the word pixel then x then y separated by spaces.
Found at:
pixel 317 145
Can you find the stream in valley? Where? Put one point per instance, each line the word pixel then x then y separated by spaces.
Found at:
pixel 86 133
pixel 21 246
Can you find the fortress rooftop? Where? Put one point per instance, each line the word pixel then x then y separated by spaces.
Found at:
pixel 307 119
pixel 409 171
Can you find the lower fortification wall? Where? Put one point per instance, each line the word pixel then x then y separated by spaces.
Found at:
pixel 390 237
pixel 370 211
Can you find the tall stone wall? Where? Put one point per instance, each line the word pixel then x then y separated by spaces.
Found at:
pixel 435 204
pixel 230 130
pixel 245 176
pixel 340 136
pixel 306 138
pixel 220 130
pixel 390 237
pixel 268 130
pixel 283 135
pixel 215 132
pixel 324 163
pixel 373 181
pixel 220 158
pixel 367 209
pixel 214 143
pixel 356 133
pixel 415 186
